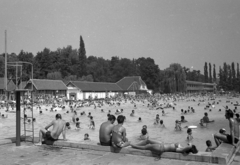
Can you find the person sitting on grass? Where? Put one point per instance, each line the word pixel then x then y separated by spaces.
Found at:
pixel 159 147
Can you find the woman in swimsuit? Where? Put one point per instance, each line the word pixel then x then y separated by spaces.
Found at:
pixel 161 147
pixel 119 139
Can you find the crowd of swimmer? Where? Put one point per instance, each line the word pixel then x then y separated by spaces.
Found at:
pixel 115 135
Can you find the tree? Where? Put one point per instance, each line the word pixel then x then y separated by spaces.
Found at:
pixel 206 72
pixel 225 76
pixel 82 66
pixel 42 63
pixel 149 73
pixel 54 76
pixel 214 73
pixel 238 72
pixel 220 75
pixel 26 68
pixel 210 73
pixel 174 79
pixel 233 75
pixel 229 78
pixel 2 64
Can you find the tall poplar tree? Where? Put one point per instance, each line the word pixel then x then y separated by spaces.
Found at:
pixel 229 78
pixel 214 73
pixel 238 72
pixel 220 75
pixel 233 75
pixel 82 66
pixel 210 73
pixel 225 75
pixel 206 72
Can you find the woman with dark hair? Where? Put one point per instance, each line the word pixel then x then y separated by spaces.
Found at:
pixel 162 147
pixel 119 139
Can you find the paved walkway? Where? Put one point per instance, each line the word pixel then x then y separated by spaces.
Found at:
pixel 236 160
pixel 28 154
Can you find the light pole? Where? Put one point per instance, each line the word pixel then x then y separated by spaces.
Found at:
pixel 5 75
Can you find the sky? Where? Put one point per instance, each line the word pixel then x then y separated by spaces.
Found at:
pixel 188 32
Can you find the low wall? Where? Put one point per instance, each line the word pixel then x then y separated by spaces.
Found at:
pixel 222 155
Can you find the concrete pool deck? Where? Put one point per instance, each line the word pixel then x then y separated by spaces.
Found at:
pixel 224 154
pixel 28 154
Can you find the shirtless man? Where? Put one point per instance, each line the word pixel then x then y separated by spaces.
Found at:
pixel 205 120
pixel 233 137
pixel 105 131
pixel 119 139
pixel 59 126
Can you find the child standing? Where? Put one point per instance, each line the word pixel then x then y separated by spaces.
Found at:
pixel 189 136
pixel 77 123
pixel 178 125
pixel 92 123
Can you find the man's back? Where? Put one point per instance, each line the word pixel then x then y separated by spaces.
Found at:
pixel 105 131
pixel 58 127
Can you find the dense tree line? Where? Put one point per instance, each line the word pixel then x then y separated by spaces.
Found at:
pixel 229 77
pixel 73 64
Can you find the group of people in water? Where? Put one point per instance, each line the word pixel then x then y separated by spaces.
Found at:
pixel 115 135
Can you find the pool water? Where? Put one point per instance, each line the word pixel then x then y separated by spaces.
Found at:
pixel 132 125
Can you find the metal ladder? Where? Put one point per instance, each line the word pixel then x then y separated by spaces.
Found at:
pixel 26 122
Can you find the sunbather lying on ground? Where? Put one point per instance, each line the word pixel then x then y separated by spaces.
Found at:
pixel 161 147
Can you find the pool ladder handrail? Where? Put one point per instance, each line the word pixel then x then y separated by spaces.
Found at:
pixel 26 130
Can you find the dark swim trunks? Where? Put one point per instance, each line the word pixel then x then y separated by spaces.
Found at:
pixel 229 138
pixel 106 143
pixel 48 139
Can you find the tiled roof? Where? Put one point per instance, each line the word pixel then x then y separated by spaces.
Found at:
pixel 10 85
pixel 44 84
pixel 131 83
pixel 95 86
pixel 23 84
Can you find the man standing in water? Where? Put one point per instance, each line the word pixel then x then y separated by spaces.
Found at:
pixel 105 131
pixel 59 126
